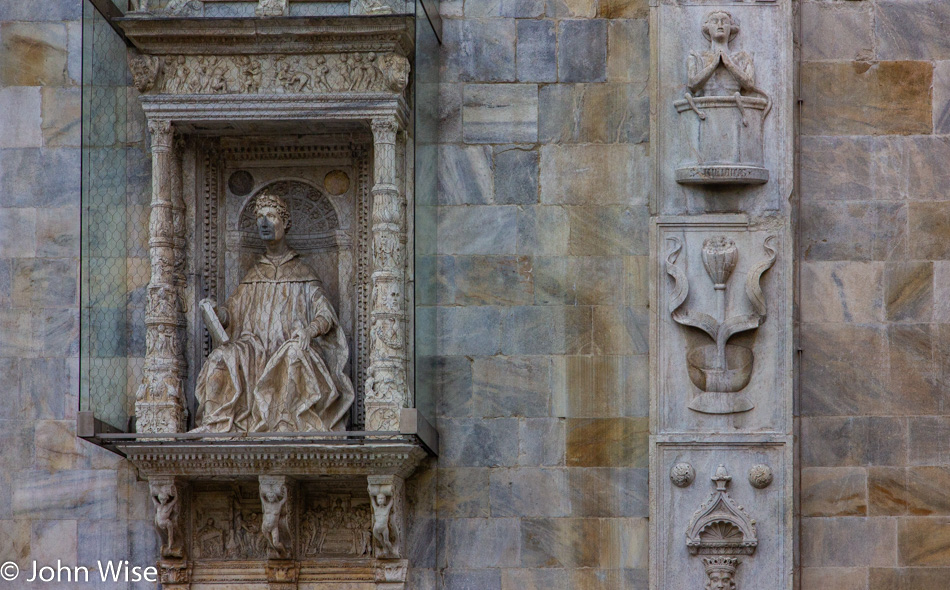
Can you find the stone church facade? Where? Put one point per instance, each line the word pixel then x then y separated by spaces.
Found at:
pixel 635 293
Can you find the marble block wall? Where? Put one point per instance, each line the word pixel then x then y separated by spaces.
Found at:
pixel 60 497
pixel 540 299
pixel 875 273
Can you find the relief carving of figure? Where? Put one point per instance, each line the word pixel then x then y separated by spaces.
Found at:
pixel 275 524
pixel 210 541
pixel 279 363
pixel 724 110
pixel 720 72
pixel 382 508
pixel 167 502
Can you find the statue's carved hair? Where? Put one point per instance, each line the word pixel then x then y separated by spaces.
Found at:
pixel 267 199
pixel 732 19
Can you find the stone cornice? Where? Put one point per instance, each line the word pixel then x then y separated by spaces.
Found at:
pixel 199 36
pixel 205 460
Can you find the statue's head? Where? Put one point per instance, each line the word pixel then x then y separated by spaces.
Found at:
pixel 273 216
pixel 720 26
pixel 720 572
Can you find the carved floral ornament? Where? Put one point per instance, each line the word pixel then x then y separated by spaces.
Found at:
pixel 719 370
pixel 360 72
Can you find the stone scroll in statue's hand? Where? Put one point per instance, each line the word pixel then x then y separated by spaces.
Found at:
pixel 219 335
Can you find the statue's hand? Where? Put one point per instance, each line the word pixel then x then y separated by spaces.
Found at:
pixel 302 337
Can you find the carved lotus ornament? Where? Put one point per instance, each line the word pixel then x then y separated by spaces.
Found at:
pixel 720 370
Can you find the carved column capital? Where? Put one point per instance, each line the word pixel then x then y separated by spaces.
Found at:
pixel 385 129
pixel 163 134
pixel 387 496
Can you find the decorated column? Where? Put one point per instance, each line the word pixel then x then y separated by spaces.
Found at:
pixel 386 384
pixel 159 403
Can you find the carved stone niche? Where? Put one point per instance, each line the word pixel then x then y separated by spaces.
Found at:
pixel 273 133
pixel 721 285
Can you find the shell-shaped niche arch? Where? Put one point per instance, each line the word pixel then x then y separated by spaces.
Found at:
pixel 315 224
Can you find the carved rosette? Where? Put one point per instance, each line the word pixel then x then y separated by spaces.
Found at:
pixel 159 401
pixel 386 384
pixel 388 499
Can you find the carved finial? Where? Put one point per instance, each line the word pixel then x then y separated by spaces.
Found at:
pixel 722 478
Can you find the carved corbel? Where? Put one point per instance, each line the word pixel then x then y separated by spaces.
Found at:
pixel 145 70
pixel 277 497
pixel 167 495
pixel 387 497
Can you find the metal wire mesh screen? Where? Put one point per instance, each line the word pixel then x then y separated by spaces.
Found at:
pixel 115 189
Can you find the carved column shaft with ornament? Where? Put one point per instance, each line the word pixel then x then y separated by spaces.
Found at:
pixel 159 403
pixel 386 385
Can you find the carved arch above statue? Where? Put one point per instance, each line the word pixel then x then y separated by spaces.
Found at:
pixel 316 225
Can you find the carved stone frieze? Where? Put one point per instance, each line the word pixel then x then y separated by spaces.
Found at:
pixel 301 459
pixel 270 74
pixel 272 8
pixel 228 524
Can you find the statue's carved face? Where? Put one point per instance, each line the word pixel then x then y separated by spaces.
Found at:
pixel 720 580
pixel 270 225
pixel 719 26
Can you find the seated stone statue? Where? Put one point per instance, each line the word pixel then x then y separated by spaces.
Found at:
pixel 280 364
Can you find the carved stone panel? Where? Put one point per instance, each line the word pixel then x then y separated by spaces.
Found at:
pixel 335 523
pixel 723 94
pixel 227 522
pixel 722 357
pixel 722 529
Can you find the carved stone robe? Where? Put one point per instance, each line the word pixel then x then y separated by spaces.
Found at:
pixel 260 381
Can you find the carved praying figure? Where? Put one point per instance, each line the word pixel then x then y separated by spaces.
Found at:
pixel 382 508
pixel 280 356
pixel 720 72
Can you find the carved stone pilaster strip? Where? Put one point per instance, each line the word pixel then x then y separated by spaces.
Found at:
pixel 159 400
pixel 386 384
pixel 387 496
